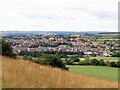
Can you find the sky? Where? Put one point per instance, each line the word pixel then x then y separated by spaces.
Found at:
pixel 59 15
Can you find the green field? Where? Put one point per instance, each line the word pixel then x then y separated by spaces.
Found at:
pixel 99 58
pixel 106 58
pixel 97 71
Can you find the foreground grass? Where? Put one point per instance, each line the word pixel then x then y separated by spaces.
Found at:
pixel 105 72
pixel 26 74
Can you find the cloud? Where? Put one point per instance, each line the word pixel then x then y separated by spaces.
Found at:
pixel 64 15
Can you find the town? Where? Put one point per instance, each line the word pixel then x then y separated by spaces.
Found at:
pixel 84 44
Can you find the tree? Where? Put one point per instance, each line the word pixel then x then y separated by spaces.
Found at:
pixel 25 57
pixel 74 59
pixel 83 62
pixel 108 63
pixel 69 62
pixel 116 54
pixel 6 49
pixel 102 63
pixel 93 55
pixel 86 61
pixel 111 64
pixel 118 64
pixel 52 60
pixel 94 62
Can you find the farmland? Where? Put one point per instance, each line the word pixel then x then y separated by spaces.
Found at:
pixel 97 71
pixel 99 58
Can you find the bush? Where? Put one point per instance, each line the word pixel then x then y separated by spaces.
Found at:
pixel 52 60
pixel 83 63
pixel 108 63
pixel 93 55
pixel 118 64
pixel 111 64
pixel 70 62
pixel 38 61
pixel 6 49
pixel 102 63
pixel 86 61
pixel 27 57
pixel 94 62
pixel 116 54
pixel 74 59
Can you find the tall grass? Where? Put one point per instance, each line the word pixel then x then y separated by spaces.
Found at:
pixel 26 74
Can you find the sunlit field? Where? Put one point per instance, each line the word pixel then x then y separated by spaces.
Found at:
pixel 105 72
pixel 106 58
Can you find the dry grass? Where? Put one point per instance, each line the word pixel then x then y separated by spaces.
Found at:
pixel 26 74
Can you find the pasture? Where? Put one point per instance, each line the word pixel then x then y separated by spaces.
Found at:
pixel 105 72
pixel 106 58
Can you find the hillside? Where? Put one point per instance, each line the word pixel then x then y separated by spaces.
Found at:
pixel 26 74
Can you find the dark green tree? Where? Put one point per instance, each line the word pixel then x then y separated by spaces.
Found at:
pixel 116 54
pixel 102 63
pixel 118 64
pixel 53 60
pixel 111 64
pixel 25 57
pixel 6 49
pixel 94 62
pixel 70 62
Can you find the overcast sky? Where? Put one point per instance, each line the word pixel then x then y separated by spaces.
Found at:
pixel 59 15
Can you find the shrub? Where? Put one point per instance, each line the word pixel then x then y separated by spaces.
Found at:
pixel 102 63
pixel 118 64
pixel 70 62
pixel 108 63
pixel 83 63
pixel 111 64
pixel 93 55
pixel 6 49
pixel 38 61
pixel 74 59
pixel 25 57
pixel 86 61
pixel 94 62
pixel 116 54
pixel 52 60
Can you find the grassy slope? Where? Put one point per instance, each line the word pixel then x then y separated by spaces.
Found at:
pixel 25 74
pixel 98 71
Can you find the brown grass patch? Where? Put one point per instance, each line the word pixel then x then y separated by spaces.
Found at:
pixel 26 74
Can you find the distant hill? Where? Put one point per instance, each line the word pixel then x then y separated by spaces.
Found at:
pixel 19 33
pixel 26 74
pixel 109 33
